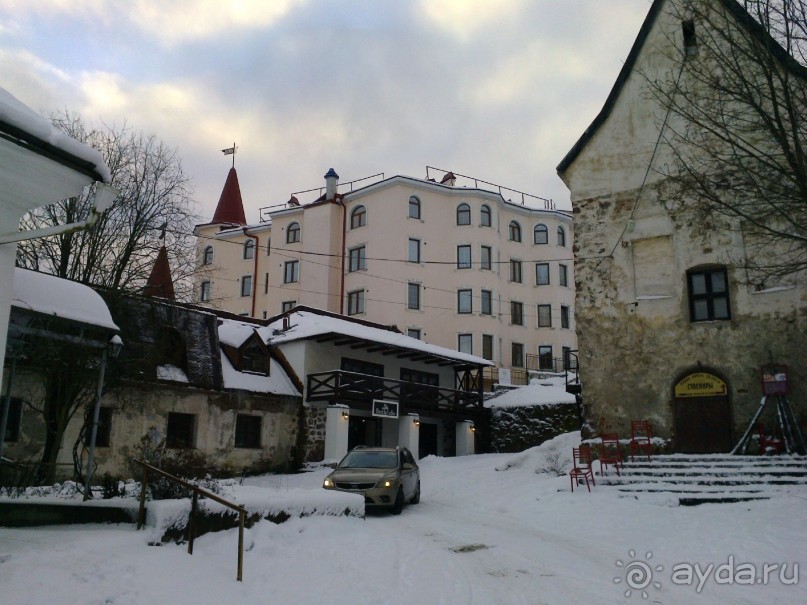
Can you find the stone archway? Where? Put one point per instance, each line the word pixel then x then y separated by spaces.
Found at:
pixel 702 413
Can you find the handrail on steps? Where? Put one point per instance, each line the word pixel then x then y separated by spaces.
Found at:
pixel 242 512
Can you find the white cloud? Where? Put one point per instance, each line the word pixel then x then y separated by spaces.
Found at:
pixel 180 21
pixel 462 19
pixel 171 23
pixel 37 83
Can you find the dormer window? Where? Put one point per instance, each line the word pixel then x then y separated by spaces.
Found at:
pixel 254 358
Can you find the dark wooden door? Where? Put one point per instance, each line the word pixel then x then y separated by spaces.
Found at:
pixel 703 425
pixel 427 440
pixel 363 431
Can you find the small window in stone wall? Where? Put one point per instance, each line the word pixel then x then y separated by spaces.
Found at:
pixel 14 419
pixel 170 348
pixel 247 431
pixel 104 431
pixel 181 430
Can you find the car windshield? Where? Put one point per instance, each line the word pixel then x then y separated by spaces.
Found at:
pixel 359 459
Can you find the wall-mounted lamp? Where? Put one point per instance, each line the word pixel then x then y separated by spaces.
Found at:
pixel 345 414
pixel 473 428
pixel 416 421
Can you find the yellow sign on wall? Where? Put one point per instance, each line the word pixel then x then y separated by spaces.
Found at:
pixel 700 384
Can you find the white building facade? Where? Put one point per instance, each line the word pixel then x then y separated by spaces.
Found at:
pixel 459 267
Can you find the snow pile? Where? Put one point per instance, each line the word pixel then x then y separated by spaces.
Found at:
pixel 172 373
pixel 538 392
pixel 51 295
pixel 544 457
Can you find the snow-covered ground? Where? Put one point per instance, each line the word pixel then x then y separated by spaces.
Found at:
pixel 490 529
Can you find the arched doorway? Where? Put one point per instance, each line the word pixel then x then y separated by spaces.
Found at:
pixel 702 413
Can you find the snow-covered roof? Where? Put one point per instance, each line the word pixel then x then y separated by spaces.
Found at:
pixel 277 382
pixel 235 333
pixel 18 115
pixel 538 392
pixel 310 323
pixel 51 295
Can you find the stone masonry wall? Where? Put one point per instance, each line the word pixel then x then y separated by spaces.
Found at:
pixel 515 429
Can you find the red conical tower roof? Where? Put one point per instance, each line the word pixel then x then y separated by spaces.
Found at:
pixel 160 284
pixel 230 209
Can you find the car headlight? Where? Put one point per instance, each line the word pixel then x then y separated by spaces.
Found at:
pixel 328 483
pixel 387 482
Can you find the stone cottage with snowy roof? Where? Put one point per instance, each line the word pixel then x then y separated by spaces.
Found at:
pixel 176 386
pixel 225 394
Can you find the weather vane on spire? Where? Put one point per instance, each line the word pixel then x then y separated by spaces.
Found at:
pixel 231 151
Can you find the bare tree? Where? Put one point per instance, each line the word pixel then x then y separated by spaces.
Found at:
pixel 736 126
pixel 119 251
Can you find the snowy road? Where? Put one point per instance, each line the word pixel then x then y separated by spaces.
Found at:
pixel 478 537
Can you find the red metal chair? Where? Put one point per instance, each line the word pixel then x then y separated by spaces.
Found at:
pixel 768 443
pixel 581 458
pixel 640 436
pixel 610 453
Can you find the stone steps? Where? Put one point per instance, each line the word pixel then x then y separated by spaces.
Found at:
pixel 709 478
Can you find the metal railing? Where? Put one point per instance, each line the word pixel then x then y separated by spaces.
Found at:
pixel 542 363
pixel 547 203
pixel 197 491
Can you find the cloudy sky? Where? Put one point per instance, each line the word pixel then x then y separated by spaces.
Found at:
pixel 494 89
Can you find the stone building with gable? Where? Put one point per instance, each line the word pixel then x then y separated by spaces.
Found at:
pixel 669 327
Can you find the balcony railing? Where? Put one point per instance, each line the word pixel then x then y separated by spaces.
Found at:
pixel 551 364
pixel 363 388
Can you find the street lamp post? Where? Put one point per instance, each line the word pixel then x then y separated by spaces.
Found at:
pixel 112 349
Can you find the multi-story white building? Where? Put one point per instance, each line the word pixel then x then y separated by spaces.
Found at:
pixel 457 266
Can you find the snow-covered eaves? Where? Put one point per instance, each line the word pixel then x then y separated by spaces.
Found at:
pixel 57 297
pixel 26 128
pixel 305 323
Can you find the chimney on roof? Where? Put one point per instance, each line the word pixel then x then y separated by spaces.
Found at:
pixel 449 179
pixel 331 181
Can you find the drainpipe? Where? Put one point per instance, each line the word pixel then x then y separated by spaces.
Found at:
pixel 254 270
pixel 342 276
pixel 331 184
pixel 103 198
